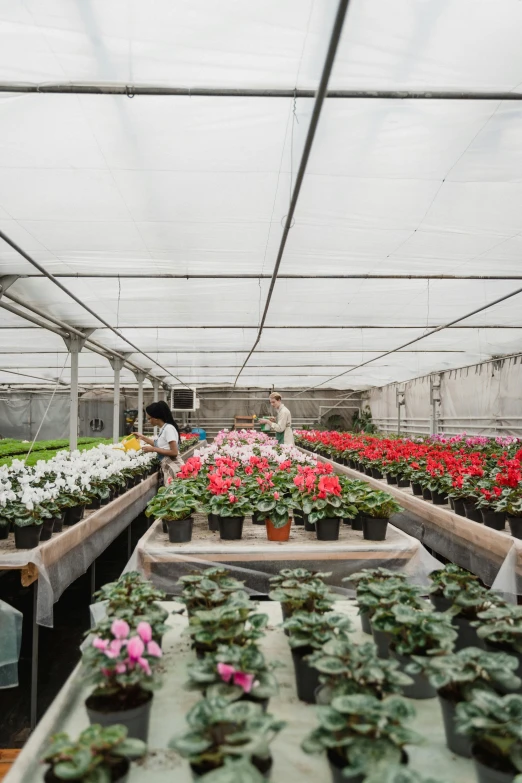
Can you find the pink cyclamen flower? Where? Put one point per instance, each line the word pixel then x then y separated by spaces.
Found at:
pixel 144 632
pixel 120 668
pixel 143 662
pixel 154 649
pixel 114 648
pixel 225 671
pixel 100 644
pixel 135 648
pixel 244 681
pixel 120 629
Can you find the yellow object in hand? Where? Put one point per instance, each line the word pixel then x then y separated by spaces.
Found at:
pixel 130 443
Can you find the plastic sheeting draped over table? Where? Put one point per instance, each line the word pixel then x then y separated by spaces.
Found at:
pixel 254 559
pixel 10 641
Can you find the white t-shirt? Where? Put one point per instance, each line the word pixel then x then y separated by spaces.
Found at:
pixel 166 435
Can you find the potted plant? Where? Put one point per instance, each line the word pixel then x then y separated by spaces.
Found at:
pixel 234 673
pixel 494 726
pixel 234 622
pixel 240 770
pixel 362 736
pixel 230 502
pixel 376 511
pixel 99 755
pixel 135 600
pixel 307 632
pixel 27 515
pixel 345 668
pixel 378 601
pixel 361 580
pixel 420 633
pixel 320 497
pixel 219 729
pixel 175 505
pixel 208 589
pixel 500 629
pixel 276 510
pixel 456 675
pixel 121 666
pixel 454 586
pixel 301 590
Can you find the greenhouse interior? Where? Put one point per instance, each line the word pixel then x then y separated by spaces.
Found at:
pixel 260 391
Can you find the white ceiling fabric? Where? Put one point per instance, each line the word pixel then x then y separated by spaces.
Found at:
pixel 170 185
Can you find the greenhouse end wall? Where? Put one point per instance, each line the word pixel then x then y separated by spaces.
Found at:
pixel 483 399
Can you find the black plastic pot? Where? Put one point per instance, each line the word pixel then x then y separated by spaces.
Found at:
pixel 328 529
pixel 403 482
pixel 94 504
pixel 420 688
pixel 426 494
pixel 4 531
pixel 452 503
pixel 298 517
pixel 231 528
pixel 494 519
pixel 27 537
pixel 337 764
pixel 73 515
pixel 368 471
pixel 347 521
pixel 374 529
pixel 391 479
pixel 107 500
pixel 306 677
pixel 47 529
pixel 515 525
pixel 416 488
pixel 309 526
pixel 467 634
pixel 439 498
pixel 357 522
pixel 136 719
pixel 180 530
pixel 471 511
pixel 58 523
pixel 440 603
pixel 366 623
pixel 263 765
pixel 376 473
pixel 382 641
pixel 457 743
pixel 458 507
pixel 490 774
pixel 258 518
pixel 213 522
pixel 164 527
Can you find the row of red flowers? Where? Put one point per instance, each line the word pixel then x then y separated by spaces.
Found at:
pixel 490 474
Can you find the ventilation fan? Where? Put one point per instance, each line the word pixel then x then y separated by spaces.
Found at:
pixel 184 400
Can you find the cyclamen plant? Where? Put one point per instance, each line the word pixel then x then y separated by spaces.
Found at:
pixel 119 664
pixel 307 629
pixel 301 590
pixel 209 589
pixel 233 671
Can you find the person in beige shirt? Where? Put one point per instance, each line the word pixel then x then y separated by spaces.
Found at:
pixel 282 425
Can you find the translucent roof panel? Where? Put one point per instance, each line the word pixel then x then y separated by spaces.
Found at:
pixel 170 209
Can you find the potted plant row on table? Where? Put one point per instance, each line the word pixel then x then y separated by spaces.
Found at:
pixel 37 501
pixel 266 480
pixel 481 478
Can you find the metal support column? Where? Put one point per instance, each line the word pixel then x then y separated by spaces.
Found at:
pixel 74 345
pixel 140 377
pixel 116 364
pixel 435 402
pixel 34 660
pixel 401 400
pixel 155 387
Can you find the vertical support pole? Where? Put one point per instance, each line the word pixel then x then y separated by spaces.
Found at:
pixel 401 400
pixel 171 397
pixel 435 402
pixel 129 541
pixel 117 363
pixel 155 387
pixel 140 377
pixel 74 345
pixel 73 398
pixel 34 660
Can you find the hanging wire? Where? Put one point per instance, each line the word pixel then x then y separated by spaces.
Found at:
pixel 48 406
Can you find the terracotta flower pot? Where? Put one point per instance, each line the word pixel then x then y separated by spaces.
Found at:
pixel 278 533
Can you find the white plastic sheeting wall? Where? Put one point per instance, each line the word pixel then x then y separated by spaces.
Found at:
pixel 99 184
pixel 483 399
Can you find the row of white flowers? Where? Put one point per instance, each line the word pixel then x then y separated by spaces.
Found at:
pixel 68 472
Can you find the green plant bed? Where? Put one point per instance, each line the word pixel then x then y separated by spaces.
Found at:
pixel 46 453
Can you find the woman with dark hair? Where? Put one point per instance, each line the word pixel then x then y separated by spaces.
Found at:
pixel 166 445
